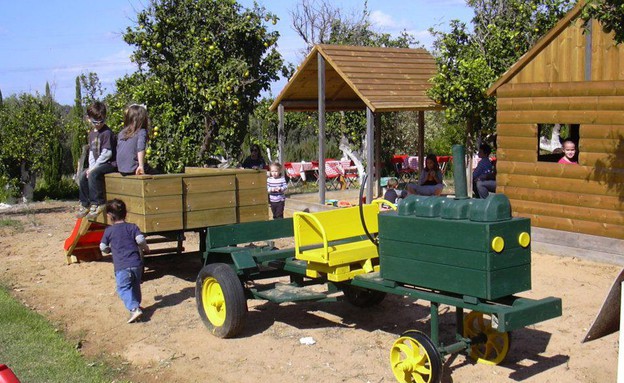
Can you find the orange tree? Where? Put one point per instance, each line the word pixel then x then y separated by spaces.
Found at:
pixel 471 58
pixel 202 65
pixel 30 134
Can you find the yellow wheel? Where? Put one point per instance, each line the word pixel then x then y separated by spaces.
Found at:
pixel 213 301
pixel 495 345
pixel 414 358
pixel 221 300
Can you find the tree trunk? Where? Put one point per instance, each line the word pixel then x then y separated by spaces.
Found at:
pixel 209 128
pixel 28 180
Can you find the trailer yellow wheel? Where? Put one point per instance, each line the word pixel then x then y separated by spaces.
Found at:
pixel 495 345
pixel 213 301
pixel 221 300
pixel 414 358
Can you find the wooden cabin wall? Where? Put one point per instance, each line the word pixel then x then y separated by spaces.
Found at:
pixel 563 60
pixel 588 198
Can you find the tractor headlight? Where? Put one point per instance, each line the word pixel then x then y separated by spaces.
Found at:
pixel 498 244
pixel 524 239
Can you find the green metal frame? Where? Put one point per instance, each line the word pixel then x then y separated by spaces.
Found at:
pixel 262 262
pixel 511 312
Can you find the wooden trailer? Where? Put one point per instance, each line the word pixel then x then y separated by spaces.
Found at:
pixel 573 80
pixel 195 199
pixel 168 205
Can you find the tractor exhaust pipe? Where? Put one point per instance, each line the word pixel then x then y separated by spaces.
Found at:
pixel 459 172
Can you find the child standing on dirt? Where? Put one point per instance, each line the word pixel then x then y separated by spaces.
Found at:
pixel 102 147
pixel 126 242
pixel 132 141
pixel 276 186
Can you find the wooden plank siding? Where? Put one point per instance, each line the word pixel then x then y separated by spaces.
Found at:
pixel 588 198
pixel 548 85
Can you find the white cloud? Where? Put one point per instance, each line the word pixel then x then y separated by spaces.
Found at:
pixel 382 20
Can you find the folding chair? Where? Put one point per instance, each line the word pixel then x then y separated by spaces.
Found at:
pixel 333 175
pixel 349 173
pixel 403 172
pixel 414 166
pixel 294 175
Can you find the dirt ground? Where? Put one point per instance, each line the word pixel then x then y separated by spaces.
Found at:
pixel 171 344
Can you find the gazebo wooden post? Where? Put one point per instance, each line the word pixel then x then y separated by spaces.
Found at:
pixel 321 123
pixel 377 142
pixel 421 140
pixel 370 153
pixel 280 134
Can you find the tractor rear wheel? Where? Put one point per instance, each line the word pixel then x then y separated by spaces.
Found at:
pixel 496 345
pixel 221 300
pixel 362 297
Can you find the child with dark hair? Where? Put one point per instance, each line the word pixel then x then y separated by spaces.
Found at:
pixel 126 242
pixel 255 159
pixel 102 152
pixel 431 179
pixel 484 175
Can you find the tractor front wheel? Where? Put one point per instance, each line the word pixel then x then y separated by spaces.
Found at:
pixel 414 358
pixel 221 300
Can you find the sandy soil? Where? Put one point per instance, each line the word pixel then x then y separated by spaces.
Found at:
pixel 171 344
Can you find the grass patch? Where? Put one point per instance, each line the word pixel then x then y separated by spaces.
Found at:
pixel 11 224
pixel 36 352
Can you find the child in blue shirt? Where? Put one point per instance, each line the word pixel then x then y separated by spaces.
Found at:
pixel 126 242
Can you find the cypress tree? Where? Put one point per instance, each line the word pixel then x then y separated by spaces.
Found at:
pixel 78 97
pixel 0 98
pixel 48 94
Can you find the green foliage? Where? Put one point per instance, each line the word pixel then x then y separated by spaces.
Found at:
pixel 202 65
pixel 36 351
pixel 92 86
pixel 471 59
pixel 64 189
pixel 609 13
pixel 30 128
pixel 76 127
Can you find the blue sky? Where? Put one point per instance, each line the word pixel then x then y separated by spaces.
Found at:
pixel 56 40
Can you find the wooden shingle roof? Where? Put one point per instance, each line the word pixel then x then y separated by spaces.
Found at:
pixel 382 79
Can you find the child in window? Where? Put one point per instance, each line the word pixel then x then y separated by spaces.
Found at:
pixel 569 153
pixel 126 242
pixel 276 186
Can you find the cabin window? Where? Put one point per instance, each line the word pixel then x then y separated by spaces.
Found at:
pixel 550 138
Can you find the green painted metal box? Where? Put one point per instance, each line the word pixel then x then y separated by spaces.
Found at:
pixel 469 247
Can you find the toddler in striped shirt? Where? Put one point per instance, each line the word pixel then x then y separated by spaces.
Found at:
pixel 276 186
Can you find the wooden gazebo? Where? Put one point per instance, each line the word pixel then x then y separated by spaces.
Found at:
pixel 340 77
pixel 572 77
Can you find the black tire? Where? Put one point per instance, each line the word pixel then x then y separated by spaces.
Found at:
pixel 361 297
pixel 221 300
pixel 432 360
